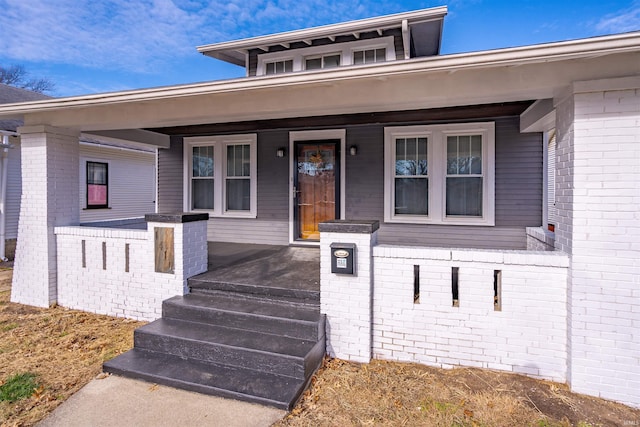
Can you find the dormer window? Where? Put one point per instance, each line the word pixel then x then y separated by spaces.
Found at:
pixel 369 56
pixel 279 67
pixel 318 62
pixel 359 52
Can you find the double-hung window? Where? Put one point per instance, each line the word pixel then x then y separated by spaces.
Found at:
pixel 279 67
pixel 440 174
pixel 318 62
pixel 369 56
pixel 220 175
pixel 97 185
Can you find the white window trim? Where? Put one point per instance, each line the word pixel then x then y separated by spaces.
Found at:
pixel 313 135
pixel 436 166
pixel 344 49
pixel 220 144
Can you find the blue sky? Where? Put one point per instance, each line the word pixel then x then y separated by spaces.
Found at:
pixel 90 46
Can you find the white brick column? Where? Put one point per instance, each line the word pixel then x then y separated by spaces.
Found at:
pixel 190 245
pixel 50 197
pixel 599 199
pixel 347 300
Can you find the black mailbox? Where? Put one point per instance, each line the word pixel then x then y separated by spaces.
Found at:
pixel 343 258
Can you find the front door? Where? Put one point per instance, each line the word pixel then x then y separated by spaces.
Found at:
pixel 316 186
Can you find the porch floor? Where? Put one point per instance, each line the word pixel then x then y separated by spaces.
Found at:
pixel 285 267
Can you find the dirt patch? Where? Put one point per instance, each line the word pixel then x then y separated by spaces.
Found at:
pixel 404 394
pixel 64 348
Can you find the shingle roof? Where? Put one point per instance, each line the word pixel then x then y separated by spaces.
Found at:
pixel 10 94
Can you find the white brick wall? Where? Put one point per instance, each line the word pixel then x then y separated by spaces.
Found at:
pixel 138 293
pixel 528 336
pixel 49 198
pixel 605 245
pixel 346 300
pixel 539 239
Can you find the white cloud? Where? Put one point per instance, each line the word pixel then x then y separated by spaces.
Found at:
pixel 623 21
pixel 144 35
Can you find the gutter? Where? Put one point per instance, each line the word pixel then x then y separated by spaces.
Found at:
pixel 559 51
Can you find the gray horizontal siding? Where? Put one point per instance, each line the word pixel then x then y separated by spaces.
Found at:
pixel 453 236
pixel 14 190
pixel 170 177
pixel 242 230
pixel 518 192
pixel 518 176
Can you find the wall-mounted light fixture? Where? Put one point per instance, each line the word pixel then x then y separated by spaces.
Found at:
pixel 353 150
pixel 280 152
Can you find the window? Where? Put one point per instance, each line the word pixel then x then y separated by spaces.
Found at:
pixel 327 56
pixel 202 179
pixel 238 177
pixel 411 184
pixel 464 175
pixel 97 185
pixel 322 61
pixel 221 175
pixel 279 67
pixel 369 56
pixel 440 174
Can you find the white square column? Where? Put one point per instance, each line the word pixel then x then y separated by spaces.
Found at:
pixel 50 198
pixel 347 299
pixel 598 190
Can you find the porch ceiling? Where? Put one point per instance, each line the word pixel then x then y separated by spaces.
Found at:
pixel 500 76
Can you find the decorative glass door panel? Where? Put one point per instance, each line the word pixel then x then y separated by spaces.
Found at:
pixel 316 186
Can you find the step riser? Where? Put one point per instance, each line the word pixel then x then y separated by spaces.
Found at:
pixel 197 285
pixel 296 329
pixel 197 388
pixel 215 353
pixel 212 379
pixel 309 303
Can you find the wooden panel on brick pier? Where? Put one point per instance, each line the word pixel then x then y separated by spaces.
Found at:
pixel 164 252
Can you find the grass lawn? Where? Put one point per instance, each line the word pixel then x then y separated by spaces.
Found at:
pixel 60 349
pixel 49 354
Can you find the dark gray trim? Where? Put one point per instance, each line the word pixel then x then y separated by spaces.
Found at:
pixel 349 226
pixel 177 217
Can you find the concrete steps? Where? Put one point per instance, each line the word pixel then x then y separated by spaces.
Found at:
pixel 248 342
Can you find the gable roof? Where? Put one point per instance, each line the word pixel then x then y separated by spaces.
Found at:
pixel 423 29
pixel 10 95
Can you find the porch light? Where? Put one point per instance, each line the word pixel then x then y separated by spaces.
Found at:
pixel 353 150
pixel 280 152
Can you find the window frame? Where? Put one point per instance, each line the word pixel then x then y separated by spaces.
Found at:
pixel 322 57
pixel 86 184
pixel 364 55
pixel 437 172
pixel 220 144
pixel 275 62
pixel 345 50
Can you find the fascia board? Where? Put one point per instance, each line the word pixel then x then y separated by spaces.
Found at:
pixel 577 49
pixel 328 30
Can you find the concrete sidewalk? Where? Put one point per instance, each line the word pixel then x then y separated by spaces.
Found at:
pixel 118 401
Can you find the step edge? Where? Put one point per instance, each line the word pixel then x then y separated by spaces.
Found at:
pixel 244 313
pixel 229 346
pixel 203 389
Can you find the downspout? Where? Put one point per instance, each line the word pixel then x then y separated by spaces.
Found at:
pixel 406 39
pixel 3 194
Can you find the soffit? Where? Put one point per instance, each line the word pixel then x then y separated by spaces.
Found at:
pixel 426 26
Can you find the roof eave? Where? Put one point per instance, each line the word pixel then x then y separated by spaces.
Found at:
pixel 575 49
pixel 424 15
